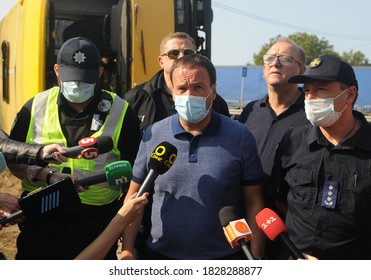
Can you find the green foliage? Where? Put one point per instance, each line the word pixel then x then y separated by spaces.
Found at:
pixel 355 58
pixel 313 47
pixel 258 58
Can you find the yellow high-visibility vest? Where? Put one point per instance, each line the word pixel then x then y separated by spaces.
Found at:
pixel 44 128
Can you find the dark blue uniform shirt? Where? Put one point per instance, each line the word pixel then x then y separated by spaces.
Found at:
pixel 328 191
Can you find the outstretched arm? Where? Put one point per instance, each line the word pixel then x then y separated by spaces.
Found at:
pixel 130 232
pixel 8 205
pixel 99 248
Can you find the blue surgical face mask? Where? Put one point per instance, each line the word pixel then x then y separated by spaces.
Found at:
pixel 192 108
pixel 77 92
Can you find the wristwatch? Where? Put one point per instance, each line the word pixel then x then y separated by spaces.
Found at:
pixel 49 175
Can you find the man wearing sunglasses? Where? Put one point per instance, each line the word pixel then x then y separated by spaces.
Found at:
pixel 153 100
pixel 282 108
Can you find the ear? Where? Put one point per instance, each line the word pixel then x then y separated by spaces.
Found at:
pixel 56 70
pixel 352 95
pixel 160 61
pixel 302 69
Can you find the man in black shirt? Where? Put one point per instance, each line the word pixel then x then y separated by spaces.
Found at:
pixel 322 173
pixel 281 109
pixel 153 100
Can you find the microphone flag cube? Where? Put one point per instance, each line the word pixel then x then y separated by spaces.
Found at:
pixel 53 201
pixel 237 230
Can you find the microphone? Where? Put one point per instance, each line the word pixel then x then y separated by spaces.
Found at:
pixel 235 230
pixel 275 229
pixel 11 217
pixel 116 173
pixel 2 162
pixel 89 148
pixel 162 158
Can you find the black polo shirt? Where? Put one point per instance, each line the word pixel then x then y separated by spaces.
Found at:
pixel 328 191
pixel 269 129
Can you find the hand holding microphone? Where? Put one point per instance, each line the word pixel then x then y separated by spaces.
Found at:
pixel 117 173
pixel 162 158
pixel 275 229
pixel 236 230
pixel 55 151
pixel 88 148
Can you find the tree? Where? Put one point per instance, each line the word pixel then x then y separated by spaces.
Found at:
pixel 313 47
pixel 258 58
pixel 355 58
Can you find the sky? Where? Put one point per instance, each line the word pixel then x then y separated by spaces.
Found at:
pixel 241 27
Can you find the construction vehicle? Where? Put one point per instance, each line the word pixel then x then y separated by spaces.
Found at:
pixel 127 32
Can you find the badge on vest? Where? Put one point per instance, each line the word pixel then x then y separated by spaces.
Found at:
pixel 141 118
pixel 104 105
pixel 96 122
pixel 329 194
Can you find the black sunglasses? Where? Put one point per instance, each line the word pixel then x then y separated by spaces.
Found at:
pixel 173 54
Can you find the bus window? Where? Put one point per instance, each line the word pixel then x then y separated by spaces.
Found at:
pixel 5 59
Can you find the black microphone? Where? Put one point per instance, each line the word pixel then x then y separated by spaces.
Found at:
pixel 235 230
pixel 89 148
pixel 275 229
pixel 11 218
pixel 162 158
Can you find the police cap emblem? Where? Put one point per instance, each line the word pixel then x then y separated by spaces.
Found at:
pixel 315 63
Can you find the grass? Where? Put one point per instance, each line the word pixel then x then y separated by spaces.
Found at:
pixel 8 236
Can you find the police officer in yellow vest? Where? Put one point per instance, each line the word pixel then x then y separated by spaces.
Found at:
pixel 76 109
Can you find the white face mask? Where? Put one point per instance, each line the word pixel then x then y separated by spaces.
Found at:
pixel 77 92
pixel 321 112
pixel 192 108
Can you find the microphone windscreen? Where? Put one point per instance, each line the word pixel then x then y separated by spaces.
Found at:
pixel 104 144
pixel 119 172
pixel 226 215
pixel 270 223
pixel 162 157
pixel 2 162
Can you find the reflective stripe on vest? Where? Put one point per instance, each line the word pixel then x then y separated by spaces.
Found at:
pixel 45 129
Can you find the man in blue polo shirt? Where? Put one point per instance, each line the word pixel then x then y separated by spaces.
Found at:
pixel 217 164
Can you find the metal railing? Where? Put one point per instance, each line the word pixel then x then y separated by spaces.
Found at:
pixel 235 108
pixel 236 104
